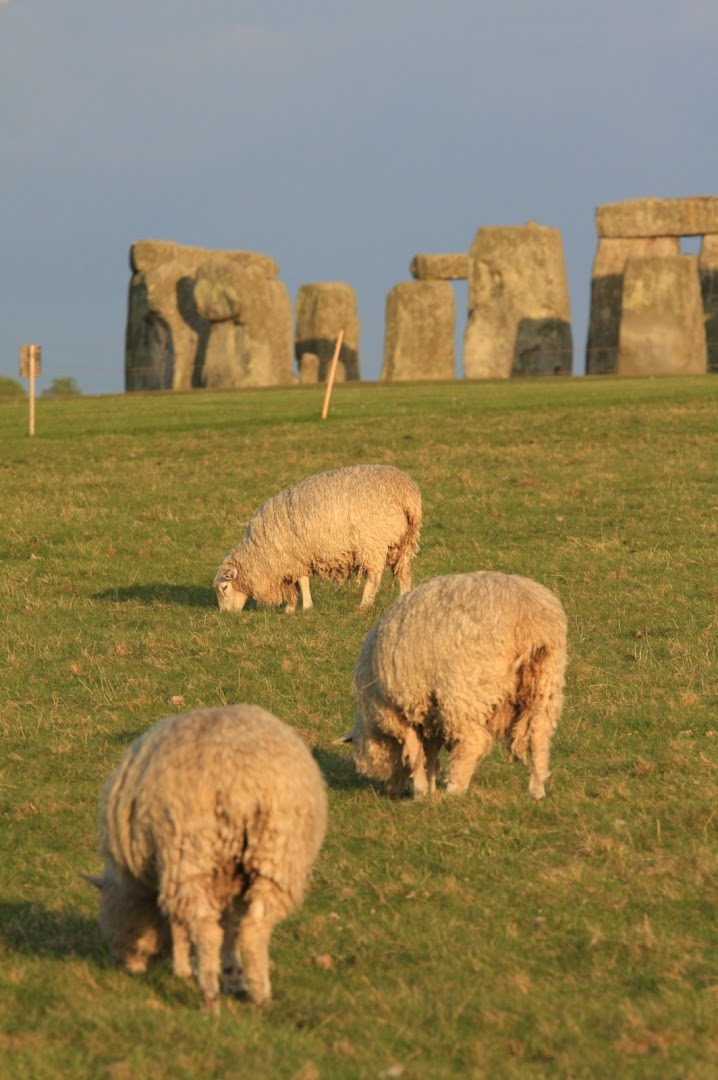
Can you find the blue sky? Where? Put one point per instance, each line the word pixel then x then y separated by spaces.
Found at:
pixel 339 138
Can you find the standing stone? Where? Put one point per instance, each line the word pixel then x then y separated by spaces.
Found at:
pixel 440 267
pixel 167 338
pixel 606 291
pixel 519 319
pixel 323 309
pixel 250 317
pixel 662 329
pixel 694 215
pixel 309 369
pixel 708 269
pixel 419 332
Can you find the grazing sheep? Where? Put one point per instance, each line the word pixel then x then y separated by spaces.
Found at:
pixel 209 827
pixel 354 520
pixel 458 662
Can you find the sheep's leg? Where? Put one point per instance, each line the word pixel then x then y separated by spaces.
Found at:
pixel 306 594
pixel 180 949
pixel 432 748
pixel 542 728
pixel 207 938
pixel 542 693
pixel 255 930
pixel 539 767
pixel 464 756
pixel 402 573
pixel 371 588
pixel 414 759
pixel 233 981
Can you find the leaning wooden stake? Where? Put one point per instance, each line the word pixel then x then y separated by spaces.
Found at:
pixel 30 369
pixel 330 376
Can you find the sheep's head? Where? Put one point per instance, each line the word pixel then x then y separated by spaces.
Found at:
pixel 134 928
pixel 377 754
pixel 232 594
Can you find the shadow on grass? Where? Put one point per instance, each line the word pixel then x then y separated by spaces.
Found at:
pixel 30 928
pixel 158 594
pixel 338 769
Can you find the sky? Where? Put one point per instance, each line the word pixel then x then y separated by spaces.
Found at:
pixel 339 138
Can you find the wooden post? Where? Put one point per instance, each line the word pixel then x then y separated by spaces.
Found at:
pixel 332 373
pixel 30 369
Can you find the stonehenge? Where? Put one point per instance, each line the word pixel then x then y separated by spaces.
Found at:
pixel 440 267
pixel 323 309
pixel 662 317
pixel 708 273
pixel 419 332
pixel 249 341
pixel 692 215
pixel 200 317
pixel 661 331
pixel 519 318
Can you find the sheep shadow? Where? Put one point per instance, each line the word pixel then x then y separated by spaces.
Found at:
pixel 30 929
pixel 155 594
pixel 338 770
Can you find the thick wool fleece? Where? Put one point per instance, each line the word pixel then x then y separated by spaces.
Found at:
pixel 359 519
pixel 209 827
pixel 458 662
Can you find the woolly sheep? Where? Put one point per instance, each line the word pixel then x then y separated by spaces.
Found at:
pixel 458 662
pixel 359 519
pixel 209 827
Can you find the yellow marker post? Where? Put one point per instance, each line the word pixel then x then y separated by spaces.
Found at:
pixel 31 369
pixel 332 373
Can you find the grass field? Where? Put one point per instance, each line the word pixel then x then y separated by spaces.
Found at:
pixel 484 936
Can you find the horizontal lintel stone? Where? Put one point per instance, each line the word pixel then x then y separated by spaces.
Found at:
pixel 440 267
pixel 693 215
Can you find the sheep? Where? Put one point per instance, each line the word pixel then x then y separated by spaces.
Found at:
pixel 358 519
pixel 209 827
pixel 458 662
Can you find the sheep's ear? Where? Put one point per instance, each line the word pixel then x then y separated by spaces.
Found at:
pixel 98 882
pixel 348 738
pixel 230 574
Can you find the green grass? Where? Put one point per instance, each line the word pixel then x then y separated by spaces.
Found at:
pixel 486 936
pixel 10 387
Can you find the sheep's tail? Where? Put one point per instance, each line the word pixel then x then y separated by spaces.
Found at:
pixel 409 543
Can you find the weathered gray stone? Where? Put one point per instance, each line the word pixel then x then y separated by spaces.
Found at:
pixel 323 309
pixel 606 291
pixel 223 290
pixel 167 337
pixel 440 267
pixel 519 319
pixel 708 269
pixel 250 336
pixel 662 330
pixel 419 332
pixel 694 215
pixel 308 369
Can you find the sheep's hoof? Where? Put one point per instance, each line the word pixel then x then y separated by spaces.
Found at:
pixel 259 995
pixel 233 982
pixel 210 1005
pixel 137 965
pixel 456 789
